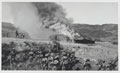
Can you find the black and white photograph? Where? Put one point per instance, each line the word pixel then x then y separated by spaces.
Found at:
pixel 59 36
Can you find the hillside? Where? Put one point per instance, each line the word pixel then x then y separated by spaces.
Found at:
pixel 108 32
pixel 8 30
pixel 104 50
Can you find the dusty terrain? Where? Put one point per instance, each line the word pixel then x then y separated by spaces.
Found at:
pixel 99 50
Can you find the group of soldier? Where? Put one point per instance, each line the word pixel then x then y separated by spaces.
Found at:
pixel 52 56
pixel 19 35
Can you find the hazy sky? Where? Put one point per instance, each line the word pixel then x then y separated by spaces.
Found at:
pixel 6 13
pixel 91 13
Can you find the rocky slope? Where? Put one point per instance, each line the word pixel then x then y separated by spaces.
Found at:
pixel 105 32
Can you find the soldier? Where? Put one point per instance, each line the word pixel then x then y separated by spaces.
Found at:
pixel 17 34
pixel 22 35
pixel 87 65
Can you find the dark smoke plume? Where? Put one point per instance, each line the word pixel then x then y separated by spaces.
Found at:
pixel 50 13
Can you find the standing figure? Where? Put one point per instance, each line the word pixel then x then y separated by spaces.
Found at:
pixel 17 34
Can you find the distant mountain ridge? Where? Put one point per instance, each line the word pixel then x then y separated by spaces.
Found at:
pixel 105 32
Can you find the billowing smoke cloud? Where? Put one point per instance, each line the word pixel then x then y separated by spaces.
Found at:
pixel 33 17
pixel 50 13
pixel 25 17
pixel 53 16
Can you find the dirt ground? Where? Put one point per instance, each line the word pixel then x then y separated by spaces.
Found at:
pixel 100 50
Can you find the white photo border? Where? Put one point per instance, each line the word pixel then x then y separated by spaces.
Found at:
pixel 33 71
